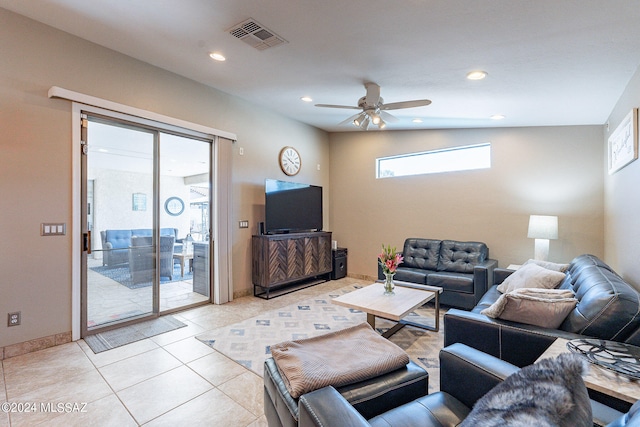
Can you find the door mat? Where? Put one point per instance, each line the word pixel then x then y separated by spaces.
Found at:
pixel 104 341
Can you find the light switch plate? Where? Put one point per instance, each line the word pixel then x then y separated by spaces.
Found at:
pixel 53 229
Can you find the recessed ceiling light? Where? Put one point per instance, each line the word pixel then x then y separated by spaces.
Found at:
pixel 217 56
pixel 497 117
pixel 476 75
pixel 417 120
pixel 307 99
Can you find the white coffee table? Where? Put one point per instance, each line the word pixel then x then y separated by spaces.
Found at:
pixel 371 300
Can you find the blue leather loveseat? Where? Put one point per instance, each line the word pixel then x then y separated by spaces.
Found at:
pixel 116 243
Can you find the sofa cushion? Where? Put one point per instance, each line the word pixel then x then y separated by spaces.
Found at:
pixel 608 307
pixel 413 275
pixel 436 409
pixel 548 393
pixel 548 265
pixel 119 239
pixel 531 276
pixel 541 307
pixel 461 257
pixel 487 299
pixel 586 260
pixel 457 282
pixel 421 253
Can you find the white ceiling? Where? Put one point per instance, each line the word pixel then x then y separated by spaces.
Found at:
pixel 550 62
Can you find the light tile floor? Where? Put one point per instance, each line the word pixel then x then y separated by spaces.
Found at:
pixel 109 301
pixel 167 380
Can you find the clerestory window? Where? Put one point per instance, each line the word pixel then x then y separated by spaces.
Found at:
pixel 469 157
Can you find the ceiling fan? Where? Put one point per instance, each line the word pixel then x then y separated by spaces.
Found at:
pixel 374 108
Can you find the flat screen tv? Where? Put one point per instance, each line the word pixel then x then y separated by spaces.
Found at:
pixel 292 207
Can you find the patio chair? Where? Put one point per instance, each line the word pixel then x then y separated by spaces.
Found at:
pixel 142 260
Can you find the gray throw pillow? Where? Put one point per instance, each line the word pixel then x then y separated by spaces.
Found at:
pixel 550 393
pixel 531 276
pixel 549 265
pixel 542 307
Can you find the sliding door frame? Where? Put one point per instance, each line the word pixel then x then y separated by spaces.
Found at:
pixel 221 160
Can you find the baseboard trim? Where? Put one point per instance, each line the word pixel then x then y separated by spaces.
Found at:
pixel 37 344
pixel 242 293
pixel 362 277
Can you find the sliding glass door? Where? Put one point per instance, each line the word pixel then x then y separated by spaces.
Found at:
pixel 184 211
pixel 146 211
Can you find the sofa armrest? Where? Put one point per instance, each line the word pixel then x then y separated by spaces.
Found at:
pixel 499 274
pixel 483 277
pixel 516 343
pixel 468 374
pixel 326 407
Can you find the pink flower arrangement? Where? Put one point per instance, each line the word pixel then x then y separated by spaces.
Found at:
pixel 389 259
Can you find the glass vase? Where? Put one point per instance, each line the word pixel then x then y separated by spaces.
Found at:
pixel 388 283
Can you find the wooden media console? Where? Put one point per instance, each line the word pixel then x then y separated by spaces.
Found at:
pixel 283 263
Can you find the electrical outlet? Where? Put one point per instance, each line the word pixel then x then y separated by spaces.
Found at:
pixel 14 319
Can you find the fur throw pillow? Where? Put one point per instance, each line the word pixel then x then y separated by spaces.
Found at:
pixel 550 393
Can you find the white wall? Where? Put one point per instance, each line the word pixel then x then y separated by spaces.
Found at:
pixel 622 198
pixel 543 170
pixel 36 158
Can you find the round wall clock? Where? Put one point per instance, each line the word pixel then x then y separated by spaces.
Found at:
pixel 174 206
pixel 290 161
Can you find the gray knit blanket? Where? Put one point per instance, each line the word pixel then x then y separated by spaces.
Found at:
pixel 338 358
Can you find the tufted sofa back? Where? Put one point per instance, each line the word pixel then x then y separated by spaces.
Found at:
pixel 119 239
pixel 461 257
pixel 421 253
pixel 608 307
pixel 444 255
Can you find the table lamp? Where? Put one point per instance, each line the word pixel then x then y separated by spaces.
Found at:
pixel 542 228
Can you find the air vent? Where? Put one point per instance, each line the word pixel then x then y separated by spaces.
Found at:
pixel 255 35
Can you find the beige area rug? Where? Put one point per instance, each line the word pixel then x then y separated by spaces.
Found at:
pixel 249 342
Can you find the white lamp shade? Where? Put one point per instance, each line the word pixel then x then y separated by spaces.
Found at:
pixel 543 227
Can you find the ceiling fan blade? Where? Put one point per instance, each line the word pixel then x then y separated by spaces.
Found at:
pixel 373 94
pixel 388 117
pixel 337 106
pixel 406 104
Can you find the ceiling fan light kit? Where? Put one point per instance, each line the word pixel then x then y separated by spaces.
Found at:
pixel 359 119
pixel 365 123
pixel 373 108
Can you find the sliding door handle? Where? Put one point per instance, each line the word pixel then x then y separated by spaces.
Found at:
pixel 87 242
